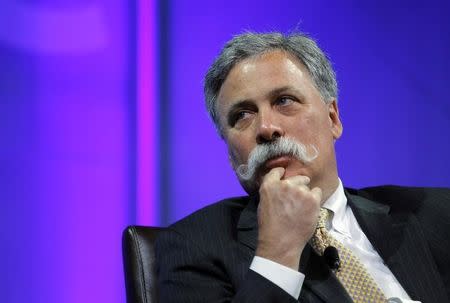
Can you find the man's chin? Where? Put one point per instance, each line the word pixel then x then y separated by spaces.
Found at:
pixel 250 188
pixel 252 185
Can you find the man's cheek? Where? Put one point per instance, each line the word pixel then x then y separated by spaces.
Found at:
pixel 239 155
pixel 234 159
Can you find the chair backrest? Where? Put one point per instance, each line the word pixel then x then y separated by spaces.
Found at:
pixel 139 258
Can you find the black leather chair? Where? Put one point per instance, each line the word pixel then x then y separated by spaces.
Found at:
pixel 138 258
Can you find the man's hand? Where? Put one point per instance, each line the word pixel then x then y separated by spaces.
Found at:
pixel 288 212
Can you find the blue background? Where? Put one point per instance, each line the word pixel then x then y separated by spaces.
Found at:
pixel 68 120
pixel 392 69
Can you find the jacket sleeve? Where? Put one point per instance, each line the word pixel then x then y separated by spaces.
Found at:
pixel 186 274
pixel 434 216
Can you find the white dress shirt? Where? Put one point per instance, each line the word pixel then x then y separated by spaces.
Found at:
pixel 344 227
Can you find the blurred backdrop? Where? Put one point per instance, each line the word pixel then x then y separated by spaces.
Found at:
pixel 102 121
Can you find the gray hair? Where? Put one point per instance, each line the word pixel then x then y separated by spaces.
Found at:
pixel 251 44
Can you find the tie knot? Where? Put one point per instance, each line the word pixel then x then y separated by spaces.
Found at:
pixel 323 218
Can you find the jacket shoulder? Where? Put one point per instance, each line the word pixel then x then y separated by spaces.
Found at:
pixel 406 197
pixel 212 220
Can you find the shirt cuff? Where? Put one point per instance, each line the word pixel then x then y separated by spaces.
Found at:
pixel 286 278
pixel 399 300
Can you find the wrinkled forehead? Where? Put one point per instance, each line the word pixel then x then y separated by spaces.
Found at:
pixel 247 65
pixel 256 76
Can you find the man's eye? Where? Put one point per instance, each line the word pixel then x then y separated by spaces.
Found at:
pixel 239 116
pixel 284 101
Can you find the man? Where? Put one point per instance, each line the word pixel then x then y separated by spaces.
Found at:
pixel 273 99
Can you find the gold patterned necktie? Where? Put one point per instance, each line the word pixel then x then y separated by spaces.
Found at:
pixel 352 274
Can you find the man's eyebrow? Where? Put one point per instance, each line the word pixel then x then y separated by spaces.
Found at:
pixel 278 91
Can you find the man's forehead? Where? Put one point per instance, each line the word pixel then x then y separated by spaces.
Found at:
pixel 261 77
pixel 251 63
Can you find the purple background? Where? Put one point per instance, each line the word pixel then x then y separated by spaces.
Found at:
pixel 69 135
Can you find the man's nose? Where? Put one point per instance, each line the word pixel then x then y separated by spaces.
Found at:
pixel 268 129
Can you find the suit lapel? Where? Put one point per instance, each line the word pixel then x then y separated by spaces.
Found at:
pixel 400 242
pixel 318 277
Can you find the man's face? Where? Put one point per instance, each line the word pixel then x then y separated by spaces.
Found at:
pixel 272 95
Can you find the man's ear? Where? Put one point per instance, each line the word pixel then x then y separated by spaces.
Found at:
pixel 335 120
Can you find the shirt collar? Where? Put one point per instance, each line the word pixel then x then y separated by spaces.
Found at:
pixel 337 204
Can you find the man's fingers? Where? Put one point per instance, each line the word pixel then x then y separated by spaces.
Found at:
pixel 275 174
pixel 298 180
pixel 317 193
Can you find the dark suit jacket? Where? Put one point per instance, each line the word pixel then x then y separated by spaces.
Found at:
pixel 206 256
